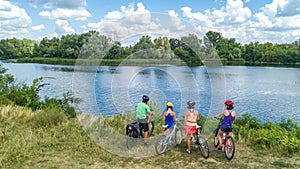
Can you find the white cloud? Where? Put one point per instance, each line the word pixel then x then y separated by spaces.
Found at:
pixel 173 13
pixel 277 16
pixel 62 9
pixel 63 27
pixel 198 19
pixel 276 22
pixel 234 12
pixel 14 20
pixel 197 16
pixel 176 22
pixel 288 8
pixel 38 27
pixel 126 21
pixel 131 22
pixel 62 13
pixel 48 4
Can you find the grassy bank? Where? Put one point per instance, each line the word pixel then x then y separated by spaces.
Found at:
pixel 147 62
pixel 102 62
pixel 71 144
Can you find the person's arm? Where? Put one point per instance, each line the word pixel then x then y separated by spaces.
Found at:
pixel 175 119
pixel 197 118
pixel 164 117
pixel 233 115
pixel 185 118
pixel 148 111
pixel 220 114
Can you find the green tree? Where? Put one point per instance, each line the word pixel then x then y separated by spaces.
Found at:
pixel 145 42
pixel 144 48
pixel 116 51
pixel 213 38
pixel 96 47
pixel 175 43
pixel 237 53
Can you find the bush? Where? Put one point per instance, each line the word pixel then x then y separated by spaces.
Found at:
pixel 63 104
pixel 243 124
pixel 282 137
pixel 24 95
pixel 275 137
pixel 48 117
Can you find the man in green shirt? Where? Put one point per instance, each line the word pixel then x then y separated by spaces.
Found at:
pixel 142 111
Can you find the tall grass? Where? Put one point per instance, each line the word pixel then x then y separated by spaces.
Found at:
pixel 73 143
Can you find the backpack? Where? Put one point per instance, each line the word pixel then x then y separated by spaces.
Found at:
pixel 133 127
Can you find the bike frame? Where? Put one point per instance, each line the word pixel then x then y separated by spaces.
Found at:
pixel 169 136
pixel 226 139
pixel 203 145
pixel 196 133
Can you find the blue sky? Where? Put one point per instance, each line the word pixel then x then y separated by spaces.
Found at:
pixel 276 21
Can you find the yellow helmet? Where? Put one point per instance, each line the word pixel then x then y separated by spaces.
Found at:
pixel 170 104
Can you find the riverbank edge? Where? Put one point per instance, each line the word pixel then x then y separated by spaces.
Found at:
pixel 146 62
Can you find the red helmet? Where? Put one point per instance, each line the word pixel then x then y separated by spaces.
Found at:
pixel 229 102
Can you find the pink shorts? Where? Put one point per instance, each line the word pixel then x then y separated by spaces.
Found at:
pixel 190 129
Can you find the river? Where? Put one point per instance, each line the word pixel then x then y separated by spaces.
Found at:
pixel 268 93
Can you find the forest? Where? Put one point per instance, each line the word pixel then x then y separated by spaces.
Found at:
pixel 190 49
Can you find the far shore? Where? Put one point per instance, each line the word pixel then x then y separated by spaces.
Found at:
pixel 143 62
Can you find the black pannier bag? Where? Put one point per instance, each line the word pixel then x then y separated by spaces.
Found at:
pixel 134 129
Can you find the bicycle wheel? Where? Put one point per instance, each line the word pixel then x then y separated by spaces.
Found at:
pixel 130 140
pixel 178 136
pixel 203 146
pixel 151 129
pixel 161 144
pixel 216 140
pixel 229 148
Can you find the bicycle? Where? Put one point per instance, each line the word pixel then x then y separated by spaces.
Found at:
pixel 200 141
pixel 135 132
pixel 216 139
pixel 227 141
pixel 167 139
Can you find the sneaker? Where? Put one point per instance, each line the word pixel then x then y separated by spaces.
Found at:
pixel 188 151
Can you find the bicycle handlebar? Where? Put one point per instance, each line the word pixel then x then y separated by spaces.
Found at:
pixel 165 126
pixel 218 118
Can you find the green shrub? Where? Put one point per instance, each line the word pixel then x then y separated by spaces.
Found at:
pixel 24 95
pixel 243 124
pixel 275 137
pixel 64 104
pixel 48 117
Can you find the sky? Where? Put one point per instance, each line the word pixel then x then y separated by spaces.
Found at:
pixel 275 21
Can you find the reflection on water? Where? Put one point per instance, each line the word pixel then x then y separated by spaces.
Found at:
pixel 266 92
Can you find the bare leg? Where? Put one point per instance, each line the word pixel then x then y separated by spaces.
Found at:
pixel 173 136
pixel 188 140
pixel 145 136
pixel 220 133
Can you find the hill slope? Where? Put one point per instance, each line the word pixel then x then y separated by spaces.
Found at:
pixel 67 145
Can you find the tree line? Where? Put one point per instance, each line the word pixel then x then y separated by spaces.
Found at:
pixel 191 49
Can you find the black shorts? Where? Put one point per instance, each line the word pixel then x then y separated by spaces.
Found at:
pixel 227 129
pixel 144 126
